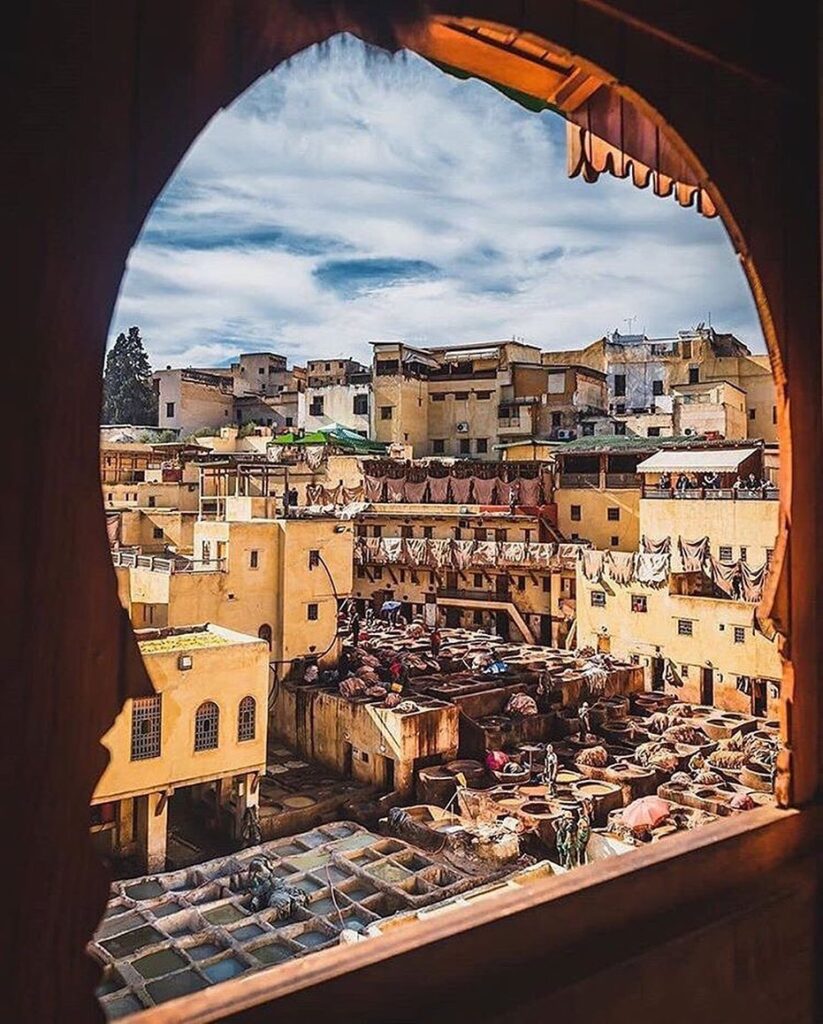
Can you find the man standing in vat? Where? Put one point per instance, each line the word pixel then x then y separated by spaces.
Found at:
pixel 550 766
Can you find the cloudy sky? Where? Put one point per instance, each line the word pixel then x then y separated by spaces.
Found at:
pixel 350 196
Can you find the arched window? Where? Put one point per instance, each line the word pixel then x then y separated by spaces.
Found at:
pixel 265 633
pixel 206 726
pixel 247 719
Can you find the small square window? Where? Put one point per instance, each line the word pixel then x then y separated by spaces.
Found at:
pixel 254 559
pixel 620 429
pixel 386 412
pixel 598 599
pixel 620 408
pixel 725 553
pixel 361 405
pixel 465 446
pixel 574 513
pixel 653 432
pixel 478 580
pixel 482 445
pixel 157 532
pixel 438 446
pixel 752 414
pixel 407 532
pixel 639 603
pixel 739 635
pixel 439 397
pixel 613 514
pixel 311 613
pixel 169 409
pixel 615 540
pixel 684 627
pixel 428 532
pixel 657 387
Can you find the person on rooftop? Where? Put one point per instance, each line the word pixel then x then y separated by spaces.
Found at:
pixel 665 482
pixel 711 481
pixel 683 483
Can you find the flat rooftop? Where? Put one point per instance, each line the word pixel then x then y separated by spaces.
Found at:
pixel 187 638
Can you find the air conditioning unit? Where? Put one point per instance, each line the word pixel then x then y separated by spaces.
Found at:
pixel 565 435
pixel 688 431
pixel 462 427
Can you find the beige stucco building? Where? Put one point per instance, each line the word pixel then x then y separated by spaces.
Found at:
pixel 694 625
pixel 202 736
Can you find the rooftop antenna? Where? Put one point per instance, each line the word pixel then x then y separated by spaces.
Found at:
pixel 630 321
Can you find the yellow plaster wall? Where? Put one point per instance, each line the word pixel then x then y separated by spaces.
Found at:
pixel 223 674
pixel 751 524
pixel 594 524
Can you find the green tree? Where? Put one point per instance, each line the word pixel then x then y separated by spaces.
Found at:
pixel 128 392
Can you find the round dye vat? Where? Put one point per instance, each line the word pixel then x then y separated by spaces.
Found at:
pixel 298 802
pixel 222 970
pixel 155 965
pixel 147 890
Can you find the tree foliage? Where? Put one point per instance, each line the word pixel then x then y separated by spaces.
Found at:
pixel 128 392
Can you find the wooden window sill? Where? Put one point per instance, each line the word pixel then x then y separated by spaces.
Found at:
pixel 604 913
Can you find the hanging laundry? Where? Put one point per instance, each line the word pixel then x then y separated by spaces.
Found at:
pixel 530 491
pixel 593 565
pixel 512 553
pixel 393 548
pixel 693 553
pixel 352 494
pixel 374 550
pixel 438 489
pixel 461 489
pixel 619 566
pixel 314 455
pixel 485 490
pixel 373 487
pixel 416 551
pixel 439 552
pixel 395 488
pixel 415 491
pixel 651 570
pixel 462 553
pixel 752 582
pixel 656 547
pixel 485 552
pixel 725 576
pixel 314 494
pixel 333 495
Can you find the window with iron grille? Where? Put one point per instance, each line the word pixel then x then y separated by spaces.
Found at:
pixel 246 719
pixel 145 727
pixel 206 725
pixel 639 603
pixel 725 553
pixel 739 635
pixel 598 598
pixel 311 613
pixel 684 627
pixel 613 513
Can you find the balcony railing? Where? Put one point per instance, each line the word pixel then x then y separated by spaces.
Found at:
pixel 476 595
pixel 579 479
pixel 165 564
pixel 713 494
pixel 622 480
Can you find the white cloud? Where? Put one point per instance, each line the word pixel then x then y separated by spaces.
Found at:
pixel 458 194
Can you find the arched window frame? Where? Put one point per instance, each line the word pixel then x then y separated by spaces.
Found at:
pixel 207 712
pixel 247 719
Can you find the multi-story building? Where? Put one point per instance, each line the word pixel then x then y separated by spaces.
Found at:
pixel 200 739
pixel 643 373
pixel 258 388
pixel 464 400
pixel 338 391
pixel 683 603
pixel 251 570
pixel 467 566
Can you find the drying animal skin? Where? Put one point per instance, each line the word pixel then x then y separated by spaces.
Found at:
pixel 659 722
pixel 521 704
pixel 705 777
pixel 593 757
pixel 646 751
pixel 681 778
pixel 665 760
pixel 679 711
pixel 727 759
pixel 685 734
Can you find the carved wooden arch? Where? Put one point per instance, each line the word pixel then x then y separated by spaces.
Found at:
pixel 103 128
